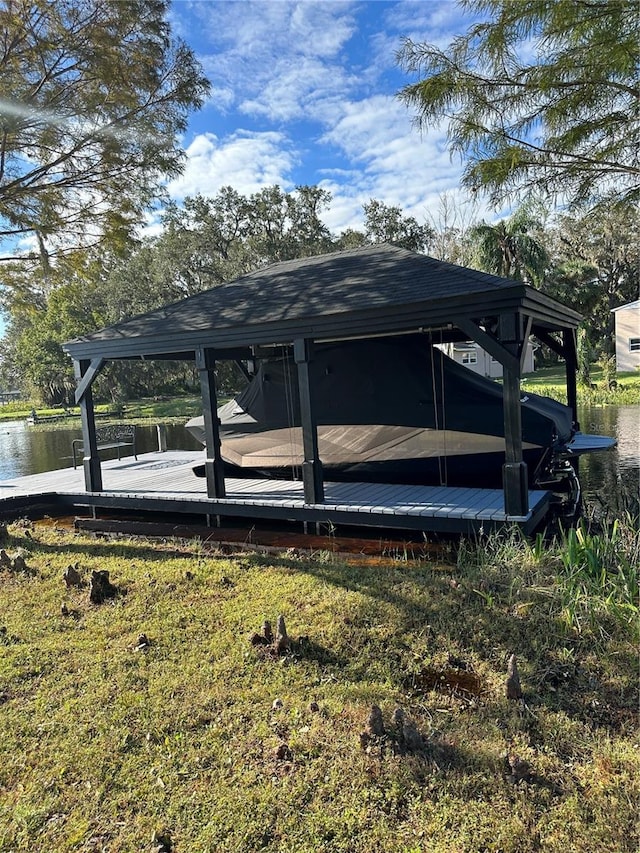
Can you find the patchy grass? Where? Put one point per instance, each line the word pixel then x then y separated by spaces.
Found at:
pixel 551 382
pixel 143 410
pixel 22 409
pixel 166 409
pixel 107 747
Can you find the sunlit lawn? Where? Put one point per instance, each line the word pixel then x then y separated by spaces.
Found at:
pixel 212 744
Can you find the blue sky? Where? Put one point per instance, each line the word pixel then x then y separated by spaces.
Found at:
pixel 305 93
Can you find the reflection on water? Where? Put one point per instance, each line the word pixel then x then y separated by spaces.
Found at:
pixel 25 450
pixel 613 471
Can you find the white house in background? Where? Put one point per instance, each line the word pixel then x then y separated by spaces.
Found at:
pixel 627 319
pixel 475 358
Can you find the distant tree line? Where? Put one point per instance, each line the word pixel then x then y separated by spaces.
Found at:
pixel 589 262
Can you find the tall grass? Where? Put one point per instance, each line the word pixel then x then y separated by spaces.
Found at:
pixel 589 572
pixel 623 395
pixel 601 390
pixel 600 570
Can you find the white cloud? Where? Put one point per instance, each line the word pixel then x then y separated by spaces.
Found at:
pixel 244 160
pixel 298 87
pixel 277 59
pixel 316 83
pixel 435 22
pixel 377 134
pixel 151 225
pixel 221 97
pixel 386 159
pixel 256 29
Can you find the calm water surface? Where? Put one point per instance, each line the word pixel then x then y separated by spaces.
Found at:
pixel 607 474
pixel 28 450
pixel 25 450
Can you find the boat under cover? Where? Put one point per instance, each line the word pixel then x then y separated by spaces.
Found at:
pixel 388 410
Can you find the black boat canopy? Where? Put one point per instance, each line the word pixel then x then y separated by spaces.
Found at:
pixel 378 290
pixel 418 418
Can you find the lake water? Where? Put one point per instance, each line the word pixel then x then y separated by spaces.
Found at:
pixel 611 472
pixel 28 450
pixel 25 450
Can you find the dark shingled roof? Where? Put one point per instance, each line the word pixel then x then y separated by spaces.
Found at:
pixel 371 290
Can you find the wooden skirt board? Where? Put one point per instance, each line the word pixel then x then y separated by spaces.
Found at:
pixel 165 482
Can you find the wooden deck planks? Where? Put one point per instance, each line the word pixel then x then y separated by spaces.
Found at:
pixel 166 477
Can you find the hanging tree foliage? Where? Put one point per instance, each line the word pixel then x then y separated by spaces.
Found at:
pixel 93 95
pixel 541 95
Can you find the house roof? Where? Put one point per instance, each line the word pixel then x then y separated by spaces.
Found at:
pixel 379 289
pixel 635 304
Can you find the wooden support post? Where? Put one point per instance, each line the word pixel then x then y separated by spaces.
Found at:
pixel 570 352
pixel 213 466
pixel 312 466
pixel 161 430
pixel 85 372
pixel 514 472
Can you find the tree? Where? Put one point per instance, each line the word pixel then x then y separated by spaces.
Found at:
pixel 45 369
pixel 565 123
pixel 284 226
pixel 44 308
pixel 452 221
pixel 512 247
pixel 595 263
pixel 83 292
pixel 351 238
pixel 385 223
pixel 99 91
pixel 585 357
pixel 214 239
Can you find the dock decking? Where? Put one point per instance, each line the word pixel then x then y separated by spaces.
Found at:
pixel 165 482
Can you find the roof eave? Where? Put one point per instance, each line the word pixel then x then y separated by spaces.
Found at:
pixel 395 319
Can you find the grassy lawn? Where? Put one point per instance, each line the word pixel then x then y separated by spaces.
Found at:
pixel 201 741
pixel 145 410
pixel 555 376
pixel 551 382
pixel 166 410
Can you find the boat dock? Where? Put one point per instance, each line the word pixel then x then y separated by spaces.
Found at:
pixel 164 483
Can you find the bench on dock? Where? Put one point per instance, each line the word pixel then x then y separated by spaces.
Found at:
pixel 111 437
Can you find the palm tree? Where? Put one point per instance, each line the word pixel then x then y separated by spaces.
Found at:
pixel 510 249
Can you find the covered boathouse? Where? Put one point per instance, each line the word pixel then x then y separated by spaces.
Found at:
pixel 364 293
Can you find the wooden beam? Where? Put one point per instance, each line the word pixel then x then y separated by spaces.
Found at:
pixel 243 370
pixel 85 372
pixel 514 471
pixel 509 349
pixel 571 370
pixel 488 342
pixel 525 343
pixel 554 345
pixel 312 466
pixel 568 350
pixel 214 464
pixel 512 331
pixel 87 379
